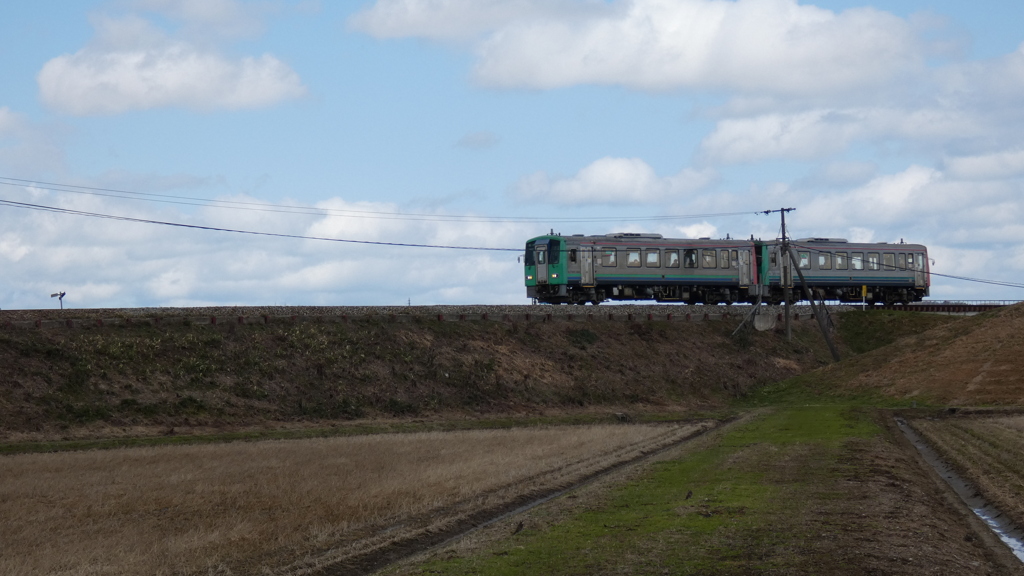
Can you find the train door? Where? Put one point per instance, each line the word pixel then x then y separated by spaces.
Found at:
pixel 744 267
pixel 540 256
pixel 587 266
pixel 920 275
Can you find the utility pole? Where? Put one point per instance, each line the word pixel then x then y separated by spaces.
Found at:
pixel 819 314
pixel 788 260
pixel 787 273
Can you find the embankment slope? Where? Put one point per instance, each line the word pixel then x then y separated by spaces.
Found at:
pixel 977 360
pixel 60 379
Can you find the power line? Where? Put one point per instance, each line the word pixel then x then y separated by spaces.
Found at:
pixel 308 210
pixel 54 209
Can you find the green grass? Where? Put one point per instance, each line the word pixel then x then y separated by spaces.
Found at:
pixel 816 388
pixel 864 331
pixel 748 492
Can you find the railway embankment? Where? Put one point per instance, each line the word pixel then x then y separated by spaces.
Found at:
pixel 101 372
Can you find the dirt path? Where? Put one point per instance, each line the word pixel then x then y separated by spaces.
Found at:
pixel 825 491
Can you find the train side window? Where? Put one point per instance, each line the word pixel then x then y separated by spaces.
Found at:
pixel 901 261
pixel 824 261
pixel 857 260
pixel 633 258
pixel 572 255
pixel 735 258
pixel 724 259
pixel 654 258
pixel 672 258
pixel 841 261
pixel 608 257
pixel 690 258
pixel 805 260
pixel 773 259
pixel 710 259
pixel 888 261
pixel 872 260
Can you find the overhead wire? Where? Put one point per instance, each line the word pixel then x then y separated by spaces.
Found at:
pixel 351 213
pixel 55 209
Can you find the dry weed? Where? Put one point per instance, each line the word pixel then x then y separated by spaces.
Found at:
pixel 249 507
pixel 988 451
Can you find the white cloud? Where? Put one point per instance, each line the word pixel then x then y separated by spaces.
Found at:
pixel 458 19
pixel 702 230
pixel 12 248
pixel 1004 164
pixel 840 173
pixel 132 65
pixel 613 181
pixel 778 46
pixel 806 135
pixel 822 133
pixel 102 263
pixel 885 199
pixel 27 148
pixel 222 18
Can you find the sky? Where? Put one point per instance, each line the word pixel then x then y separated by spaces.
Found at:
pixel 483 123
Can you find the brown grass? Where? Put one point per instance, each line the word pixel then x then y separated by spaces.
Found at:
pixel 972 361
pixel 279 506
pixel 989 452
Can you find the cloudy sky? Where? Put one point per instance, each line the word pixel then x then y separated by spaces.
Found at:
pixel 481 123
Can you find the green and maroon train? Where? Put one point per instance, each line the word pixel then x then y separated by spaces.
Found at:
pixel 579 269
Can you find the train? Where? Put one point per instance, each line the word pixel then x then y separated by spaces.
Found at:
pixel 627 266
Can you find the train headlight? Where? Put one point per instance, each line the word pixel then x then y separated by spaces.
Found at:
pixel 529 277
pixel 554 275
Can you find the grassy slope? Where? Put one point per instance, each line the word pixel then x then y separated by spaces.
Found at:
pixel 259 375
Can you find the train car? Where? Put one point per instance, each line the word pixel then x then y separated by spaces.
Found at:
pixel 835 269
pixel 579 269
pixel 629 266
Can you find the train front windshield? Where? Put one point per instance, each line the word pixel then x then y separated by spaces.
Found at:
pixel 542 252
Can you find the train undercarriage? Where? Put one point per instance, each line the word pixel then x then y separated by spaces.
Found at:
pixel 569 294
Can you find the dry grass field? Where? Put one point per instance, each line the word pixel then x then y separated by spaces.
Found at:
pixel 987 450
pixel 279 507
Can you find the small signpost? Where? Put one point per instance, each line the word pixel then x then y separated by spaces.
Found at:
pixel 59 296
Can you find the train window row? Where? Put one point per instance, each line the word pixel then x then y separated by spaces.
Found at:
pixel 658 258
pixel 873 261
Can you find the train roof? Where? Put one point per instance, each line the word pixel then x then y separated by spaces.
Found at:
pixel 631 237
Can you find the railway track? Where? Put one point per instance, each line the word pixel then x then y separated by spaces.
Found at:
pixel 263 314
pixel 959 307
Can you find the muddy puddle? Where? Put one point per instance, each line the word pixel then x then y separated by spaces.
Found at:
pixel 1007 531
